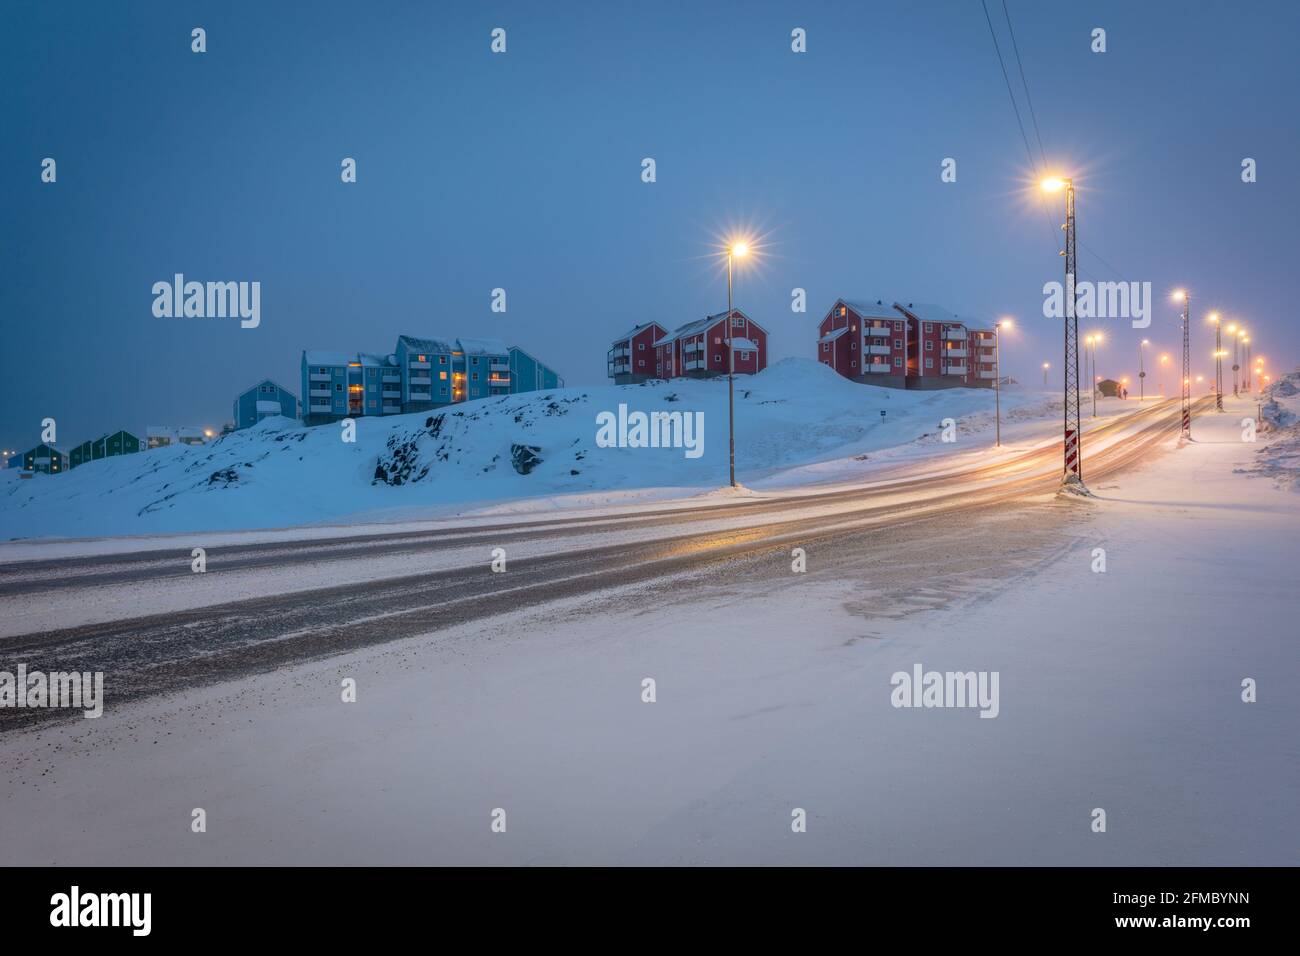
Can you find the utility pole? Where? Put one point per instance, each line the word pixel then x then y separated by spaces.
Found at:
pixel 1186 397
pixel 1072 476
pixel 1142 371
pixel 731 384
pixel 1218 363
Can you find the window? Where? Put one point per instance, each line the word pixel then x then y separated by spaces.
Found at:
pixel 744 356
pixel 474 360
pixel 443 376
pixel 898 326
pixel 474 376
pixel 853 364
pixel 826 346
pixel 855 345
pixel 853 328
pixel 443 390
pixel 338 386
pixel 717 341
pixel 717 358
pixel 640 346
pixel 737 323
pixel 928 330
pixel 929 347
pixel 929 363
pixel 373 403
pixel 898 362
pixel 898 343
pixel 640 363
pixel 421 358
pixel 659 368
pixel 442 360
pixel 842 310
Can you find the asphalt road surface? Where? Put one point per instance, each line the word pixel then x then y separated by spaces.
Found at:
pixel 169 652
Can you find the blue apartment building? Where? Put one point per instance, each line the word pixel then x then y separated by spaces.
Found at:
pixel 421 374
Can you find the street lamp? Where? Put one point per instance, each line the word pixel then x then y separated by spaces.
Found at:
pixel 737 250
pixel 1046 366
pixel 1245 370
pixel 1236 336
pixel 1164 360
pixel 1073 473
pixel 1142 369
pixel 1218 361
pixel 997 378
pixel 1093 341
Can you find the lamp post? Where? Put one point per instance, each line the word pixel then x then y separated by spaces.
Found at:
pixel 1236 336
pixel 737 250
pixel 1218 361
pixel 1245 369
pixel 1046 366
pixel 1142 369
pixel 1185 393
pixel 997 379
pixel 1164 361
pixel 1072 475
pixel 1092 342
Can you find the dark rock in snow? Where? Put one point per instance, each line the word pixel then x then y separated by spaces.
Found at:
pixel 525 458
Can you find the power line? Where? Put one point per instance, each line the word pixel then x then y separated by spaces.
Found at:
pixel 1056 239
pixel 1025 83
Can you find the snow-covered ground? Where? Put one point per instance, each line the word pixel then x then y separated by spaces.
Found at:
pixel 796 423
pixel 1119 690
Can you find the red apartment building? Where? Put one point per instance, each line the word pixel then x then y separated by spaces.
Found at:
pixel 865 341
pixel 904 346
pixel 631 357
pixel 699 349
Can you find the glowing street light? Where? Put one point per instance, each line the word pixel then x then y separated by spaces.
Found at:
pixel 1164 361
pixel 1046 366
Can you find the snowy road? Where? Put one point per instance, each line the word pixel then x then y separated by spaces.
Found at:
pixel 264 606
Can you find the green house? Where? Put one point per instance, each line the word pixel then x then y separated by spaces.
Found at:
pixel 80 454
pixel 120 442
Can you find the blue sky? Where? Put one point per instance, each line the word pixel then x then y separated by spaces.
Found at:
pixel 522 171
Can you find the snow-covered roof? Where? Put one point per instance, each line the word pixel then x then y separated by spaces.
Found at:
pixel 160 431
pixel 832 336
pixel 700 325
pixel 190 431
pixel 869 308
pixel 370 360
pixel 267 381
pixel 483 347
pixel 437 346
pixel 928 312
pixel 634 330
pixel 326 357
pixel 744 345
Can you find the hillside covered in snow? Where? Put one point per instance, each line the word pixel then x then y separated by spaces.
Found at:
pixel 795 422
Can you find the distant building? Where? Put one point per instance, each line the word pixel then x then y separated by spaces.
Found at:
pixel 159 436
pixel 631 356
pixel 421 374
pixel 527 374
pixel 266 399
pixel 45 459
pixel 983 357
pixel 699 349
pixel 1109 387
pixel 116 443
